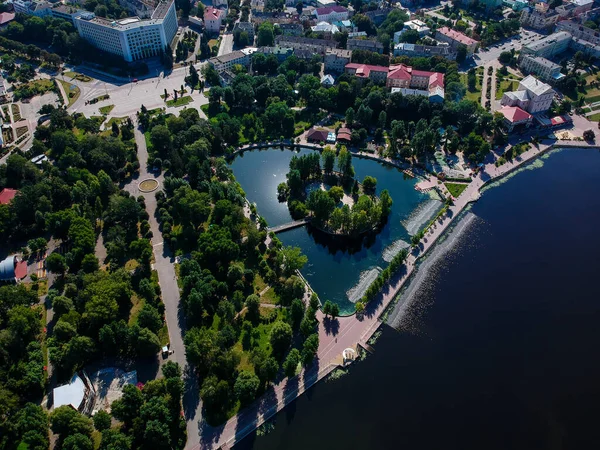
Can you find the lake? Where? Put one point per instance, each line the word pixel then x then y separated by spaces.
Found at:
pixel 335 270
pixel 498 348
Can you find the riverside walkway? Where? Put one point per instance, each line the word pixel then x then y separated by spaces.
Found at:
pixel 289 226
pixel 344 332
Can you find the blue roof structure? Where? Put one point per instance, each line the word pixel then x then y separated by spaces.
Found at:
pixel 7 268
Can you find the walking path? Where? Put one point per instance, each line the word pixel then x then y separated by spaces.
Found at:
pixel 344 332
pixel 164 266
pixel 289 225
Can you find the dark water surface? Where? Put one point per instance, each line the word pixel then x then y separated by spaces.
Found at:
pixel 500 349
pixel 333 267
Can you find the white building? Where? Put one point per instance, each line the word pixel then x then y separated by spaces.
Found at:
pixel 548 46
pixel 226 62
pixel 325 27
pixel 541 67
pixel 416 25
pixel 131 38
pixel 336 60
pixel 38 9
pixel 533 96
pixel 213 19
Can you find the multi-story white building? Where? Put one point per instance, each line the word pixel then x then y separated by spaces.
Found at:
pixel 540 17
pixel 416 25
pixel 226 62
pixel 32 8
pixel 303 43
pixel 414 50
pixel 541 67
pixel 213 19
pixel 548 46
pixel 331 14
pixel 533 96
pixel 67 13
pixel 579 31
pixel 131 38
pixel 336 60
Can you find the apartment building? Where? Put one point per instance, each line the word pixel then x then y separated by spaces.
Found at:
pixel 213 19
pixel 414 50
pixel 66 12
pixel 301 43
pixel 336 60
pixel 131 38
pixel 377 16
pixel 378 74
pixel 290 29
pixel 247 27
pixel 541 67
pixel 226 62
pixel 33 8
pixel 533 96
pixel 365 44
pixel 548 46
pixel 408 81
pixel 540 17
pixel 455 39
pixel 579 31
pixel 415 25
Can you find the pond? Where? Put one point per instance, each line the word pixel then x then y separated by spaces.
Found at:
pixel 338 271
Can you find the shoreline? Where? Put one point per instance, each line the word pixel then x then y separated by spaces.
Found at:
pixel 354 331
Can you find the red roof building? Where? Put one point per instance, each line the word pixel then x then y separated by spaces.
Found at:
pixel 514 116
pixel 6 195
pixel 375 73
pixel 317 135
pixel 6 17
pixel 456 38
pixel 344 134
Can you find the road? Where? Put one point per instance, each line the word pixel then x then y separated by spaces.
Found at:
pixel 164 266
pixel 226 44
pixel 485 56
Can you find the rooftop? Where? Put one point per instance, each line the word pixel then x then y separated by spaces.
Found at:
pixel 211 13
pixel 548 40
pixel 237 54
pixel 364 70
pixel 515 114
pixel 330 9
pixel 6 195
pixel 534 85
pixel 457 36
pixel 161 9
pixel 70 394
pixel 6 17
pixel 542 61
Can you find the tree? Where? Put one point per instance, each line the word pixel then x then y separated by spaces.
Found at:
pixel 310 348
pixel 345 163
pixel 56 263
pixel 252 305
pixel 101 420
pixel 321 204
pixel 369 185
pixel 281 338
pixel 589 135
pixel 61 419
pixel 296 313
pixel 292 259
pixel 266 35
pixel 349 117
pixel 328 159
pixel 127 408
pixel 336 193
pixel 327 307
pixel 291 362
pixel 246 386
pixel 77 441
pixel 461 53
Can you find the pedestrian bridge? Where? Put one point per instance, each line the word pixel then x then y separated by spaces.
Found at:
pixel 289 225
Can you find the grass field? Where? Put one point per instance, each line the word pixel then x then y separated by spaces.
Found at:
pixel 77 76
pixel 456 189
pixel 105 110
pixel 594 117
pixel 181 101
pixel 506 86
pixel 475 95
pixel 72 91
pixel 16 112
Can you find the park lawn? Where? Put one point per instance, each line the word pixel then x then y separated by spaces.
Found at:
pixel 456 189
pixel 138 304
pixel 77 76
pixel 181 101
pixel 506 86
pixel 270 297
pixel 475 95
pixel 16 112
pixel 213 42
pixel 73 92
pixel 21 131
pixel 105 110
pixel 594 117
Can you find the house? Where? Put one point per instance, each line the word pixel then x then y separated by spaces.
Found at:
pixel 344 135
pixel 327 81
pixel 415 25
pixel 541 67
pixel 32 8
pixel 314 135
pixel 79 394
pixel 515 116
pixel 6 195
pixel 5 18
pixel 331 13
pixel 404 79
pixel 579 31
pixel 365 44
pixel 290 29
pixel 456 38
pixel 414 50
pixel 336 60
pixel 213 19
pixel 378 74
pixel 533 96
pixel 241 27
pixel 345 25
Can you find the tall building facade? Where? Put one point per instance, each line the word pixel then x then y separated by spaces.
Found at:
pixel 132 38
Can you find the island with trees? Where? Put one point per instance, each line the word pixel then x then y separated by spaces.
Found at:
pixel 324 188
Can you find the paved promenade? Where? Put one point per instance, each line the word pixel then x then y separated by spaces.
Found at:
pixel 345 332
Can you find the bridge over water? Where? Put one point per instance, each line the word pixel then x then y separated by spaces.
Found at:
pixel 289 225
